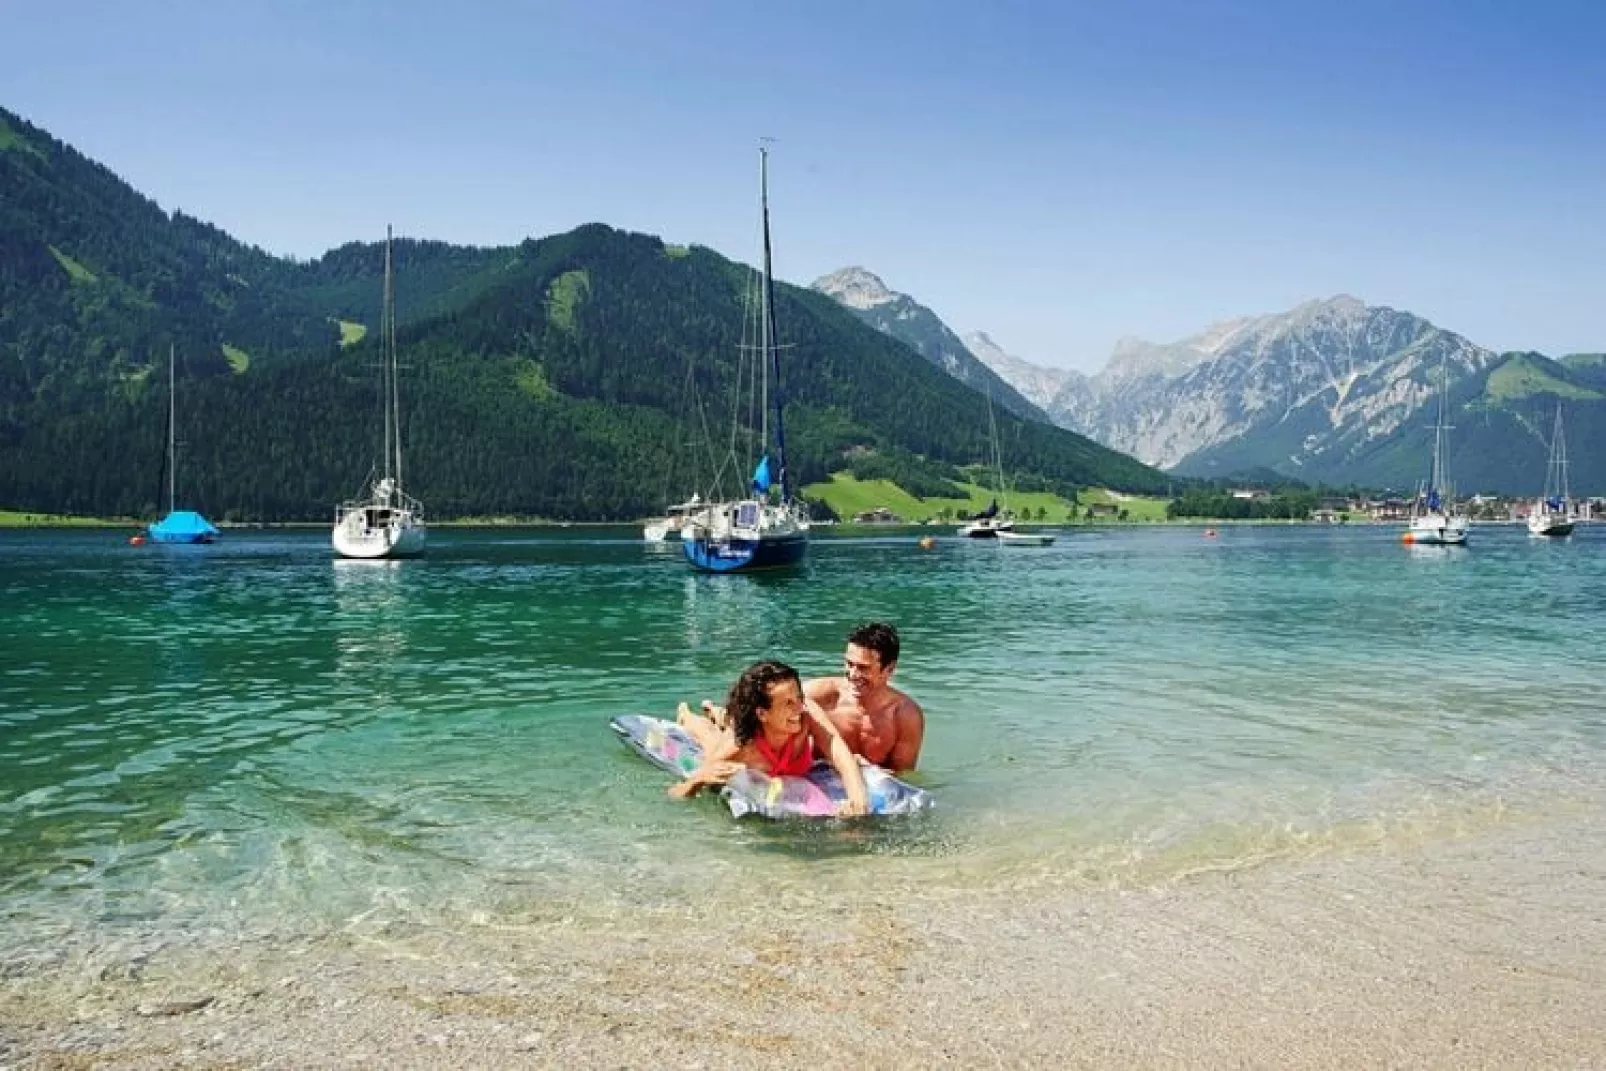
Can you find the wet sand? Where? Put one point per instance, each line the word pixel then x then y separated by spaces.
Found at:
pixel 1484 951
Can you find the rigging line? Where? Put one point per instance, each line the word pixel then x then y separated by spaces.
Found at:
pixel 716 482
pixel 172 429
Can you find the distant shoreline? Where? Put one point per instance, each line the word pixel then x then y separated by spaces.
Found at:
pixel 19 519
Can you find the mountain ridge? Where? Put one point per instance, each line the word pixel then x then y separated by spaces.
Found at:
pixel 1332 390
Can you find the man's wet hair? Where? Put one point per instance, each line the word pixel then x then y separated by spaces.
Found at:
pixel 879 637
pixel 751 693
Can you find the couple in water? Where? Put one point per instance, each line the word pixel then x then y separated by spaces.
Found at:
pixel 773 723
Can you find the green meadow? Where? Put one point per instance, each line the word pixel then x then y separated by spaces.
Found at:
pixel 849 496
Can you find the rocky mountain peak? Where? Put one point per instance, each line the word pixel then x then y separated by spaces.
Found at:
pixel 855 287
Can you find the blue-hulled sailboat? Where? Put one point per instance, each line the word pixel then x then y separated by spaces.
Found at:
pixel 767 529
pixel 180 525
pixel 1554 514
pixel 1435 519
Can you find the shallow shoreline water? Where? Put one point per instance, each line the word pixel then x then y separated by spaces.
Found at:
pixel 1487 950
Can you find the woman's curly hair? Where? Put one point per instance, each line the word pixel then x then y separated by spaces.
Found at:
pixel 751 693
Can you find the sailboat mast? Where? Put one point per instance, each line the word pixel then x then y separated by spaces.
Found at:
pixel 771 358
pixel 172 430
pixel 386 373
pixel 1561 458
pixel 998 453
pixel 1437 480
pixel 1556 476
pixel 395 371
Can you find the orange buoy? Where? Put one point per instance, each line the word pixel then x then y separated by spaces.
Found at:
pixel 1408 538
pixel 136 540
pixel 926 542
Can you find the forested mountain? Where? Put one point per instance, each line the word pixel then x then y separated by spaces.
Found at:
pixel 563 377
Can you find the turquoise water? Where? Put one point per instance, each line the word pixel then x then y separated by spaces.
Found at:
pixel 254 739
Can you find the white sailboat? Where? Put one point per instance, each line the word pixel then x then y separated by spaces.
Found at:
pixel 991 522
pixel 1554 513
pixel 388 523
pixel 1435 521
pixel 180 525
pixel 768 529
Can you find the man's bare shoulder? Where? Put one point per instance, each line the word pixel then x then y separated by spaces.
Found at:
pixel 906 704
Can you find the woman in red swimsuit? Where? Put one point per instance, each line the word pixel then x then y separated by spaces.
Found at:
pixel 776 733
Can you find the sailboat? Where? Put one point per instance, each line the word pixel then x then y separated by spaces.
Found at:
pixel 388 523
pixel 1553 514
pixel 1434 519
pixel 180 525
pixel 767 529
pixel 990 522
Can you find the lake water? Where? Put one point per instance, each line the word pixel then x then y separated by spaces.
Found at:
pixel 252 740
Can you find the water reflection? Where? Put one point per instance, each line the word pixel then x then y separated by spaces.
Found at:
pixel 740 613
pixel 370 622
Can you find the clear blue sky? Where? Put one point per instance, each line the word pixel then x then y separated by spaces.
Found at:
pixel 1057 174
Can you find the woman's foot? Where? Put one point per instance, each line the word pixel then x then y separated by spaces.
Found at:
pixel 716 714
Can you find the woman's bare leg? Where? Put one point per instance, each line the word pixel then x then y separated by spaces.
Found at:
pixel 708 735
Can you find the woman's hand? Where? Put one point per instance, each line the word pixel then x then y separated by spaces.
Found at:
pixel 709 773
pixel 721 771
pixel 851 809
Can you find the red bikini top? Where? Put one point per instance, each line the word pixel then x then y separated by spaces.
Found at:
pixel 792 760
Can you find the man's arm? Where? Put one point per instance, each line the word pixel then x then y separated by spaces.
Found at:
pixel 823 690
pixel 911 724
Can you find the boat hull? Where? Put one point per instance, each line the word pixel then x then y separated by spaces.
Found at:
pixel 156 536
pixel 389 541
pixel 1550 526
pixel 708 554
pixel 1437 531
pixel 1025 539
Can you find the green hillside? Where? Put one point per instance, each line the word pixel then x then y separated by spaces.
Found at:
pixel 561 378
pixel 1522 375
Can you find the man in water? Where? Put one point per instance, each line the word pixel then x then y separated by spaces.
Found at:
pixel 879 723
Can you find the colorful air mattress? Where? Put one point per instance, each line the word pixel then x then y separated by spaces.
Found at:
pixel 669 747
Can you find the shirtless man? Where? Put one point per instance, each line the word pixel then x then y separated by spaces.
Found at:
pixel 879 723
